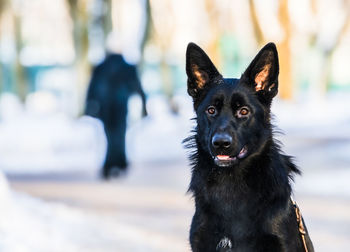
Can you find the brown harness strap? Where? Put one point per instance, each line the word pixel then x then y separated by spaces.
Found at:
pixel 301 226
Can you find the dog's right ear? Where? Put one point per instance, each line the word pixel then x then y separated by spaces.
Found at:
pixel 201 72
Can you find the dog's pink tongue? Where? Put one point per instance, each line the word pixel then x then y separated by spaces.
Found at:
pixel 223 157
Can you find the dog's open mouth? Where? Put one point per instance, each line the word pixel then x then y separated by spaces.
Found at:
pixel 226 160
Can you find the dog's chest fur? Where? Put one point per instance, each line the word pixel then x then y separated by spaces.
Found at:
pixel 231 212
pixel 226 199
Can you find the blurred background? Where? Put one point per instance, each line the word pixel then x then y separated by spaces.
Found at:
pixel 52 196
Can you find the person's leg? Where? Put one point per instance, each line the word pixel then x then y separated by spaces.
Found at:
pixel 119 146
pixel 108 163
pixel 115 162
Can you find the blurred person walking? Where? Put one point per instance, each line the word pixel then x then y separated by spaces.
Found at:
pixel 112 83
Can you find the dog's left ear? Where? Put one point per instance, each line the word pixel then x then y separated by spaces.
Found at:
pixel 262 73
pixel 201 72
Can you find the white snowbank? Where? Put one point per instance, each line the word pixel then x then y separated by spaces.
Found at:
pixel 320 118
pixel 28 224
pixel 158 138
pixel 55 143
pixel 35 140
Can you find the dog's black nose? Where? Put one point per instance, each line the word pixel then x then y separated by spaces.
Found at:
pixel 221 141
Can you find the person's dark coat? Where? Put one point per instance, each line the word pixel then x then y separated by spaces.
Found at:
pixel 112 83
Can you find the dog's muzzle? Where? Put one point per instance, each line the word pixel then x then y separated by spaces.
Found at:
pixel 227 160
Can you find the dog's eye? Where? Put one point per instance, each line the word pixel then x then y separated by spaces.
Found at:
pixel 243 112
pixel 211 110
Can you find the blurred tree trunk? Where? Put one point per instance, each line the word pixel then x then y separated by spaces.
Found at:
pixel 147 34
pixel 21 85
pixel 328 55
pixel 79 14
pixel 214 28
pixel 148 27
pixel 3 5
pixel 324 80
pixel 166 75
pixel 329 52
pixel 162 35
pixel 285 79
pixel 107 19
pixel 259 36
pixel 284 52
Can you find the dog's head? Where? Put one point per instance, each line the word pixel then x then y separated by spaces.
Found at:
pixel 233 115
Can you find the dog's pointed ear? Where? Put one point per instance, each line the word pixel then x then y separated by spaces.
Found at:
pixel 262 73
pixel 201 72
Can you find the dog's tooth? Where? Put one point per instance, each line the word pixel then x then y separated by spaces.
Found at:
pixel 223 157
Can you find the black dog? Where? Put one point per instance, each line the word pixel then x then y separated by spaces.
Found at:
pixel 112 83
pixel 240 178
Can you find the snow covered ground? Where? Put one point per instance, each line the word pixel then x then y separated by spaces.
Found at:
pixel 29 224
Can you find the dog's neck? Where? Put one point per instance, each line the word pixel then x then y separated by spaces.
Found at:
pixel 243 178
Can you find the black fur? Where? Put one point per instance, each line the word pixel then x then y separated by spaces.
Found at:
pixel 240 177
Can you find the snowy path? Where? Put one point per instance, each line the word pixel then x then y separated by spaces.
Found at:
pixel 122 215
pixel 149 210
